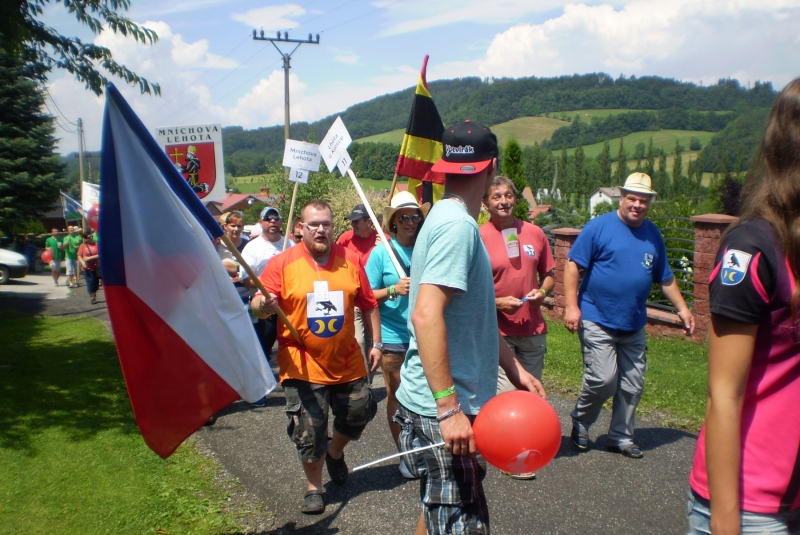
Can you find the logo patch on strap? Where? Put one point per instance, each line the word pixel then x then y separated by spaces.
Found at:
pixel 325 318
pixel 734 267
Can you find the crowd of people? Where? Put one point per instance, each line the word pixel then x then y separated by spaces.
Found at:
pixel 450 313
pixel 80 254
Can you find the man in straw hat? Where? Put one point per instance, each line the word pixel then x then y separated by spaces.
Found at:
pixel 622 254
pixel 451 366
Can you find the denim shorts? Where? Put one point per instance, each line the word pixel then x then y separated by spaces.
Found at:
pixel 307 408
pixel 451 486
pixel 752 523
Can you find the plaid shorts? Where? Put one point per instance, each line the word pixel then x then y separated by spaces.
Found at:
pixel 307 407
pixel 451 486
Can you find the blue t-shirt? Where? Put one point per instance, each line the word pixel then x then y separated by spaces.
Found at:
pixel 622 263
pixel 382 274
pixel 449 252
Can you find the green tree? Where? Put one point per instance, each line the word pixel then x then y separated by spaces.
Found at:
pixel 650 160
pixel 514 169
pixel 564 177
pixel 26 37
pixel 662 178
pixel 29 168
pixel 605 165
pixel 677 170
pixel 622 164
pixel 579 171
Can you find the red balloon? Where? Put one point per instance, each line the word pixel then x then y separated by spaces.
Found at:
pixel 93 216
pixel 47 256
pixel 517 432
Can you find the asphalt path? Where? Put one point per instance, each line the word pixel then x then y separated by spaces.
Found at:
pixel 592 492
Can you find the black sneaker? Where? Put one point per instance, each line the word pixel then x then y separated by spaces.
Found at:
pixel 633 451
pixel 337 469
pixel 580 440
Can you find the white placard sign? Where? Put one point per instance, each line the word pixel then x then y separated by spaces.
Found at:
pixel 335 144
pixel 299 175
pixel 301 155
pixel 196 152
pixel 344 163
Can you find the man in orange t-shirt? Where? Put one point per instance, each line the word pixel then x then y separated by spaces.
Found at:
pixel 318 286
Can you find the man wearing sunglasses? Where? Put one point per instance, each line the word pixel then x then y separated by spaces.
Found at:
pixel 257 253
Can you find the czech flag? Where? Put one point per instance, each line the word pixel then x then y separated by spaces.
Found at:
pixel 422 145
pixel 186 344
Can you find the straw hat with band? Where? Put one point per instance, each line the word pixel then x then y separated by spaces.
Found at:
pixel 400 201
pixel 638 183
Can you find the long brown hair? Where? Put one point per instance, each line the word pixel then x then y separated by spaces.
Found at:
pixel 772 189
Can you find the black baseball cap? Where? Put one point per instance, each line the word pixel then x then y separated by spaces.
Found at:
pixel 468 148
pixel 359 212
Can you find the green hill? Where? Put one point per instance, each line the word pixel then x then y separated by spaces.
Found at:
pixel 662 139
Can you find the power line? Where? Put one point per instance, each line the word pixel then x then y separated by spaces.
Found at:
pixel 55 119
pixel 57 108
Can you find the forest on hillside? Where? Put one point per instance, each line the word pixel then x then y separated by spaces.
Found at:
pixel 671 104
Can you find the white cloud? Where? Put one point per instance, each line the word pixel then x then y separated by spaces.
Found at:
pixel 270 18
pixel 348 57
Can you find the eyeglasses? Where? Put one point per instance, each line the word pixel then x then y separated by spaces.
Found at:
pixel 313 227
pixel 272 218
pixel 405 218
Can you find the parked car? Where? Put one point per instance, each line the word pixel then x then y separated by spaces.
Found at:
pixel 12 266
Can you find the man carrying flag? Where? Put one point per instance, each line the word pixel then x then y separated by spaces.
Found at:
pixel 422 146
pixel 184 338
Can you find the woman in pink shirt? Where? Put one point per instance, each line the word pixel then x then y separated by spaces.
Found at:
pixel 746 472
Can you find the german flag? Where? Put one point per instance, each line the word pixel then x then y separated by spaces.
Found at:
pixel 422 145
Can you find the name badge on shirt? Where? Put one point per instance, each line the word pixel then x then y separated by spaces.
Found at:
pixel 321 291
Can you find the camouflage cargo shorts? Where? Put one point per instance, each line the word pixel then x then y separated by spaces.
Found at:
pixel 308 406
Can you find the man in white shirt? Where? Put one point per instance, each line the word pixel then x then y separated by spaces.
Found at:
pixel 257 253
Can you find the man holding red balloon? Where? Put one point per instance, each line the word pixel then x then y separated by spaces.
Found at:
pixel 451 367
pixel 55 246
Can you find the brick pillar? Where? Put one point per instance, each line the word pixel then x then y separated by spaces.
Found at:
pixel 708 230
pixel 565 237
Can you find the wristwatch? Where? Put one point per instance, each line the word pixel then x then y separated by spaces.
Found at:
pixel 378 346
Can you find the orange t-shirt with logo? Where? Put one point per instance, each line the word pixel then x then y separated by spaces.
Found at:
pixel 330 352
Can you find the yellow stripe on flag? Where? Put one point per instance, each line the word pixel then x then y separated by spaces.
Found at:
pixel 420 148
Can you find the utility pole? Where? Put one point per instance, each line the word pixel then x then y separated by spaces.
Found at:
pixel 80 165
pixel 286 66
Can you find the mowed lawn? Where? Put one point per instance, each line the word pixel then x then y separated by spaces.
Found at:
pixel 71 456
pixel 675 383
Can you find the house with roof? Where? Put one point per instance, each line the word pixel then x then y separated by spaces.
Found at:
pixel 242 201
pixel 609 195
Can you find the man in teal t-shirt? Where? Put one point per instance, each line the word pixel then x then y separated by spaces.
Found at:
pixel 56 246
pixel 450 370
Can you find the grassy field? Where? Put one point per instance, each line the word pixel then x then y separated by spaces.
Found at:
pixel 73 460
pixel 675 384
pixel 663 139
pixel 587 115
pixel 526 130
pixel 392 136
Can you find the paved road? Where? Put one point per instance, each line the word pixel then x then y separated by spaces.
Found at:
pixel 594 492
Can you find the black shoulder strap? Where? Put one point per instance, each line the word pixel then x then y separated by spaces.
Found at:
pixel 406 268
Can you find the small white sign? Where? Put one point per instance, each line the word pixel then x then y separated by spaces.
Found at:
pixel 321 291
pixel 299 175
pixel 344 163
pixel 335 143
pixel 301 155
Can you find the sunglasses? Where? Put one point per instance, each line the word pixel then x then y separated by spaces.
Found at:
pixel 405 218
pixel 272 218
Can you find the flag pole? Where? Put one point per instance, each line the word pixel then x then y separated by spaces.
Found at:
pixel 291 215
pixel 253 277
pixel 400 271
pixel 394 184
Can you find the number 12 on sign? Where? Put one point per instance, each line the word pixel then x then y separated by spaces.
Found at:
pixel 299 175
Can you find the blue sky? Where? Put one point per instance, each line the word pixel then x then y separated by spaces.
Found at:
pixel 211 70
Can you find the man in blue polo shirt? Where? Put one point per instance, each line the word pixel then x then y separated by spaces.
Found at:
pixel 622 254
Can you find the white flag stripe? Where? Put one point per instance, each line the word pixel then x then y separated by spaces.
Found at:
pixel 171 264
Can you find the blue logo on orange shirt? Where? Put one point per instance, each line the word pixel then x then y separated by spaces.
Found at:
pixel 325 318
pixel 734 267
